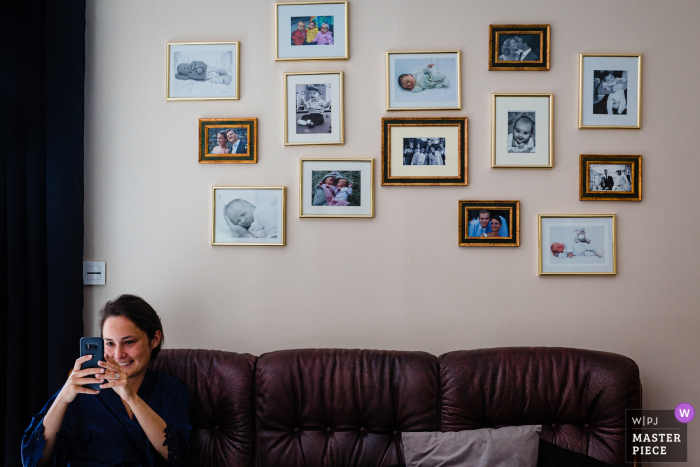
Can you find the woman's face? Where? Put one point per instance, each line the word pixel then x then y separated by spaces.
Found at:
pixel 128 345
pixel 512 46
pixel 220 139
pixel 495 224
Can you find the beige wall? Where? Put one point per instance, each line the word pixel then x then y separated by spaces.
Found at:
pixel 398 281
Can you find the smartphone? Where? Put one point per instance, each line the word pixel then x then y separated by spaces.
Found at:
pixel 92 346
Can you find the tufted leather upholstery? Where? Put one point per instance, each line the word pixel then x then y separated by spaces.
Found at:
pixel 322 407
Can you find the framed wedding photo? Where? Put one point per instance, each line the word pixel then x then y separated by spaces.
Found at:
pixel 577 244
pixel 228 140
pixel 423 80
pixel 610 90
pixel 489 223
pixel 336 188
pixel 202 71
pixel 521 130
pixel 313 108
pixel 311 30
pixel 424 151
pixel 519 47
pixel 248 216
pixel 610 178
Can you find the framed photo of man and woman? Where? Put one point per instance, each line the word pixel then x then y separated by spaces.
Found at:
pixel 519 47
pixel 228 140
pixel 489 223
pixel 202 71
pixel 336 188
pixel 311 30
pixel 610 178
pixel 313 109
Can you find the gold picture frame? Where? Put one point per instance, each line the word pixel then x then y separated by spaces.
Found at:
pixel 246 149
pixel 602 253
pixel 272 227
pixel 454 76
pixel 470 233
pixel 441 132
pixel 361 178
pixel 583 100
pixel 544 33
pixel 595 188
pixel 344 47
pixel 501 151
pixel 199 48
pixel 297 138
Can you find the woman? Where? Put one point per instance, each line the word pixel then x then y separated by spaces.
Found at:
pixel 510 51
pixel 495 227
pixel 408 152
pixel 622 184
pixel 222 147
pixel 138 418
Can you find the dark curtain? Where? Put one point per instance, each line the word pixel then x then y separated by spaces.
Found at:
pixel 41 142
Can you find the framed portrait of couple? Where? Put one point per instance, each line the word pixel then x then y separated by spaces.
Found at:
pixel 228 140
pixel 248 216
pixel 336 188
pixel 610 178
pixel 519 47
pixel 311 30
pixel 489 223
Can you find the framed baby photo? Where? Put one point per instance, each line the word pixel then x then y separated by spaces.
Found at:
pixel 519 47
pixel 311 30
pixel 489 223
pixel 521 130
pixel 610 89
pixel 424 151
pixel 610 178
pixel 313 108
pixel 202 71
pixel 248 216
pixel 577 244
pixel 336 188
pixel 423 80
pixel 228 140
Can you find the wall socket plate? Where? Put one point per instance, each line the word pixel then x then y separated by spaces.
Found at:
pixel 94 272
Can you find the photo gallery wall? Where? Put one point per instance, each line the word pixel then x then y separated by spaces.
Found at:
pixel 415 151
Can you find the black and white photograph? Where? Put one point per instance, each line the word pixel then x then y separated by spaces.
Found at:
pixel 311 30
pixel 577 244
pixel 248 216
pixel 519 47
pixel 609 94
pixel 227 140
pixel 610 178
pixel 423 81
pixel 202 71
pixel 521 132
pixel 336 187
pixel 424 151
pixel 489 223
pixel 313 108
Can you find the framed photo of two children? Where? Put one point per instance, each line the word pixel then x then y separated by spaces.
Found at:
pixel 311 30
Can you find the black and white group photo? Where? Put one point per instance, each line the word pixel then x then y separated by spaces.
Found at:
pixel 424 151
pixel 610 177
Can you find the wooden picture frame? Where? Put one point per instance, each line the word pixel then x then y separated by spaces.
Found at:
pixel 610 178
pixel 533 42
pixel 476 227
pixel 238 136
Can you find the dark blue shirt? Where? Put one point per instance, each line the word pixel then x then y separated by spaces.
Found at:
pixel 98 432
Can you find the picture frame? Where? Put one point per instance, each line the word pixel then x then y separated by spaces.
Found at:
pixel 438 145
pixel 333 44
pixel 218 77
pixel 238 136
pixel 336 188
pixel 258 214
pixel 313 108
pixel 610 177
pixel 519 47
pixel 610 91
pixel 577 244
pixel 478 221
pixel 517 123
pixel 413 84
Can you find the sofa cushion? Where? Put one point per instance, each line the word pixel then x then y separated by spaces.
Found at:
pixel 551 455
pixel 514 446
pixel 330 407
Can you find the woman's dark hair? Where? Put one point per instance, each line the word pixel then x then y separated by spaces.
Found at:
pixel 222 133
pixel 139 312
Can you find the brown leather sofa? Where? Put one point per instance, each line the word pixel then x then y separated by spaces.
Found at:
pixel 335 407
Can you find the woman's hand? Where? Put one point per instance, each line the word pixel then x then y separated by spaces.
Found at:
pixel 116 378
pixel 78 379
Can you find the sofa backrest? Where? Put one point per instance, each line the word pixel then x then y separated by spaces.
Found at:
pixel 333 407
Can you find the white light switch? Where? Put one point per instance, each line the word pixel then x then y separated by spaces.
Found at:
pixel 94 272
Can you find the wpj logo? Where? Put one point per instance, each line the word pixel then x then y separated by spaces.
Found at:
pixel 655 436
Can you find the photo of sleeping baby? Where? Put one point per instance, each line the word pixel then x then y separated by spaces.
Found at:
pixel 610 177
pixel 422 80
pixel 312 30
pixel 521 132
pixel 582 244
pixel 202 71
pixel 488 222
pixel 313 108
pixel 227 140
pixel 610 92
pixel 336 187
pixel 424 151
pixel 519 47
pixel 248 215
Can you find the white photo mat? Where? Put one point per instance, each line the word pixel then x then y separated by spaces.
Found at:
pixel 287 51
pixel 541 106
pixel 335 136
pixel 272 197
pixel 365 169
pixel 561 229
pixel 593 64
